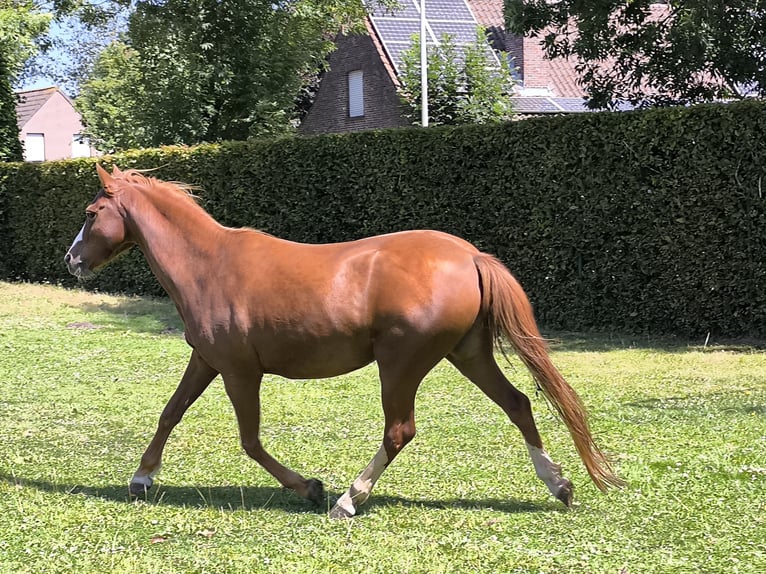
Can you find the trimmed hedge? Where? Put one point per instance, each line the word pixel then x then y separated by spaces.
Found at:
pixel 648 221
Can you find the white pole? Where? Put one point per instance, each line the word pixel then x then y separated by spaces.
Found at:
pixel 423 66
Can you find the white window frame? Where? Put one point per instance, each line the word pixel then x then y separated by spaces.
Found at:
pixel 356 94
pixel 34 147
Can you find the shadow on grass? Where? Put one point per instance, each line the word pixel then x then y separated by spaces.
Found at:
pixel 143 315
pixel 249 498
pixel 746 402
pixel 567 341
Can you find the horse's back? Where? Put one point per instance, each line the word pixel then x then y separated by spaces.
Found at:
pixel 392 274
pixel 419 239
pixel 415 271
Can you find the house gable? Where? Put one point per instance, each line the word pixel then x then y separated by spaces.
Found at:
pixel 382 108
pixel 47 117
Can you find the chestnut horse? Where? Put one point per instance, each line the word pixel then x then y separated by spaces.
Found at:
pixel 254 304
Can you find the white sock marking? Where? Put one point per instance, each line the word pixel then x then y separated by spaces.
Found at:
pixel 547 470
pixel 359 491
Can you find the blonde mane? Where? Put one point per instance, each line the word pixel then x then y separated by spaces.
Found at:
pixel 136 177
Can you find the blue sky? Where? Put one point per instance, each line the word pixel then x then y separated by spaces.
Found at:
pixel 56 55
pixel 71 36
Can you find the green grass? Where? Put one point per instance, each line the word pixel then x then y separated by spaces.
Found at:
pixel 83 378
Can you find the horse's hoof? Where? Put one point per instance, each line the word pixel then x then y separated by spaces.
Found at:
pixel 566 493
pixel 315 491
pixel 137 489
pixel 339 513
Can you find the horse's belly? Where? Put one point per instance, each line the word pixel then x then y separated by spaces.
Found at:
pixel 315 360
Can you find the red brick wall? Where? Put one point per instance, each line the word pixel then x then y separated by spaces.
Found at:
pixel 382 108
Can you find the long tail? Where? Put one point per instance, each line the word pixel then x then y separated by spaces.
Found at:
pixel 510 314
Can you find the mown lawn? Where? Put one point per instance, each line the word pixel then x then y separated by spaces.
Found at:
pixel 83 378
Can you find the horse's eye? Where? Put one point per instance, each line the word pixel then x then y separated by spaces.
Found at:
pixel 90 215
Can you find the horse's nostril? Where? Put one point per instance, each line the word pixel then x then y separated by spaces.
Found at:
pixel 67 258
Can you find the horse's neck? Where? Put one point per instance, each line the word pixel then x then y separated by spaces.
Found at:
pixel 178 240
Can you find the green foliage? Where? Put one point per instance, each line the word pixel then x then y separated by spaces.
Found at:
pixel 93 14
pixel 192 71
pixel 457 94
pixel 206 68
pixel 443 82
pixel 487 94
pixel 691 51
pixel 110 98
pixel 642 221
pixel 84 377
pixel 22 24
pixel 10 145
pixel 84 28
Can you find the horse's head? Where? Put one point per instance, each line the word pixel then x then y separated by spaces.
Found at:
pixel 104 235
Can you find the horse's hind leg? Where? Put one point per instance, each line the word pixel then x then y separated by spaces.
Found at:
pixel 474 358
pixel 244 393
pixel 400 376
pixel 195 380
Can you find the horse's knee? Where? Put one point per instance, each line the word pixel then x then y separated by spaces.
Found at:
pixel 168 422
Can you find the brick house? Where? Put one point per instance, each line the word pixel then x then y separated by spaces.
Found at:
pixel 359 91
pixel 49 126
pixel 544 86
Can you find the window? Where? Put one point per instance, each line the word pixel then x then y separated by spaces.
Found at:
pixel 80 146
pixel 355 94
pixel 34 147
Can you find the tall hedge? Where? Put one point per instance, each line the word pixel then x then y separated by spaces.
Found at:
pixel 644 221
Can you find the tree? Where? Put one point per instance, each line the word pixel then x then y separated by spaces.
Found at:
pixel 629 51
pixel 10 144
pixel 457 94
pixel 75 31
pixel 111 99
pixel 487 96
pixel 21 25
pixel 206 70
pixel 80 36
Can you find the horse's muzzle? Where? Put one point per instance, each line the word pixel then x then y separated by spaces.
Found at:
pixel 76 266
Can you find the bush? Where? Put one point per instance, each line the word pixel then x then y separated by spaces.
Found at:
pixel 641 221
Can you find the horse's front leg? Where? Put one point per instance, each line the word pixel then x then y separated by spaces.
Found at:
pixel 195 380
pixel 244 392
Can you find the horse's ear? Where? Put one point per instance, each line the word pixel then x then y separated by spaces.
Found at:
pixel 107 181
pixel 116 172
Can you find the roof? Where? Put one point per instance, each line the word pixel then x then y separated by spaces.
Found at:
pixel 489 13
pixel 559 73
pixel 538 72
pixel 387 63
pixel 547 86
pixel 395 28
pixel 548 105
pixel 30 102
